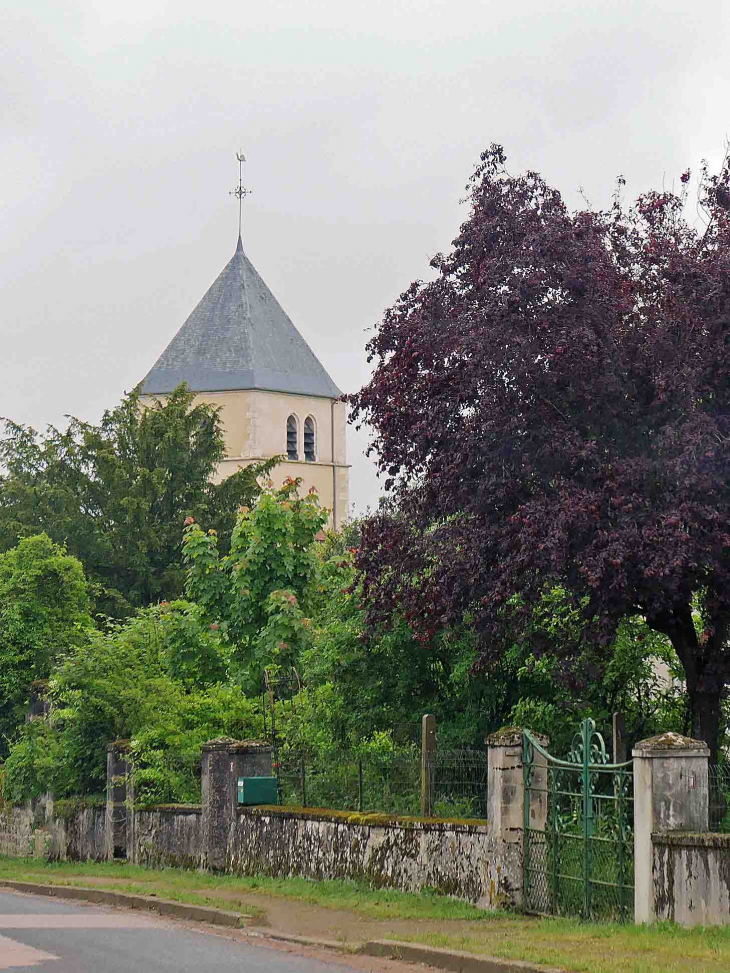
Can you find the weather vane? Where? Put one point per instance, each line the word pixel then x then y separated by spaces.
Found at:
pixel 240 189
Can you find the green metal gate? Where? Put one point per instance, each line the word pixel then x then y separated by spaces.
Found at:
pixel 578 830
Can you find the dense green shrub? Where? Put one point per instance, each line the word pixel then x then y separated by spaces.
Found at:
pixel 176 675
pixel 260 592
pixel 160 681
pixel 44 613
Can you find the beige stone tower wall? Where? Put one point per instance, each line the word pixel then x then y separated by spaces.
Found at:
pixel 254 424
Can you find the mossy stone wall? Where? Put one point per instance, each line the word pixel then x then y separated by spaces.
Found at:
pixel 54 830
pixel 168 835
pixel 455 858
pixel 691 878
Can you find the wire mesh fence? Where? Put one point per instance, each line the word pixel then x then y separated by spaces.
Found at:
pixel 347 781
pixel 389 783
pixel 719 797
pixel 167 776
pixel 406 734
pixel 459 783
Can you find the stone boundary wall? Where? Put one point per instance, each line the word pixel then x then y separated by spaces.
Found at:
pixel 59 830
pixel 78 832
pixel 691 877
pixel 461 859
pixel 168 835
pixel 470 860
pixel 17 829
pixel 455 858
pixel 681 873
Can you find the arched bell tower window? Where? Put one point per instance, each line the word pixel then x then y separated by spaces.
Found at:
pixel 292 438
pixel 309 441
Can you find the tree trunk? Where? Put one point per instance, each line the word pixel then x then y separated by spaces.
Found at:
pixel 706 713
pixel 704 703
pixel 704 693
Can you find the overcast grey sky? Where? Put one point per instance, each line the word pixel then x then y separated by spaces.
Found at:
pixel 361 123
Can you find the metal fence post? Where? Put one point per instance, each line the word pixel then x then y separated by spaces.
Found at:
pixel 588 823
pixel 428 748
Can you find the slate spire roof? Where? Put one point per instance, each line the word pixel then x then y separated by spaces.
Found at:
pixel 239 337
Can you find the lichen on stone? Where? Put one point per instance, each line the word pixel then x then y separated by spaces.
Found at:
pixel 671 741
pixel 512 736
pixel 66 808
pixel 364 818
pixel 175 808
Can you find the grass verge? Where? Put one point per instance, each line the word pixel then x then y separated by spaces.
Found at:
pixel 564 943
pixel 202 888
pixel 596 948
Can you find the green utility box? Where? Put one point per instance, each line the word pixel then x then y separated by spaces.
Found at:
pixel 258 790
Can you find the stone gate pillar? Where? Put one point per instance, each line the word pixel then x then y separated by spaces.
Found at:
pixel 251 758
pixel 118 796
pixel 671 790
pixel 224 761
pixel 39 705
pixel 506 816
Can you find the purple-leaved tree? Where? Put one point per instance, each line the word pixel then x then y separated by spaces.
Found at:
pixel 555 408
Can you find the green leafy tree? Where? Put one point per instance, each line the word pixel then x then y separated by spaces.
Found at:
pixel 554 408
pixel 367 682
pixel 157 680
pixel 44 613
pixel 639 675
pixel 116 494
pixel 259 593
pixel 359 682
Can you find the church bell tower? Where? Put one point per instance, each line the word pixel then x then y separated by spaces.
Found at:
pixel 241 351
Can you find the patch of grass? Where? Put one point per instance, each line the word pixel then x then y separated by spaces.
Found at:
pixel 564 943
pixel 201 888
pixel 597 948
pixel 139 881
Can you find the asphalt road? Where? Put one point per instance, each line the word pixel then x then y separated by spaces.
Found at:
pixel 42 934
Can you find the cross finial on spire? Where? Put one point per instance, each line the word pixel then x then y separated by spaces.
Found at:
pixel 240 191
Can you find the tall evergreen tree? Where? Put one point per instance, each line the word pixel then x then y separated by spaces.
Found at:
pixel 116 494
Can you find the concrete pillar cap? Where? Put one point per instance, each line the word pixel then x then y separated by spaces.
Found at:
pixel 250 746
pixel 229 745
pixel 511 736
pixel 119 746
pixel 671 744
